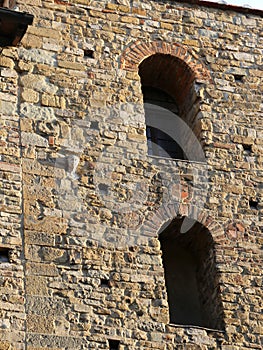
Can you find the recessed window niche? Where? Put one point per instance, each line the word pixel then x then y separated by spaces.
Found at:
pixel 191 276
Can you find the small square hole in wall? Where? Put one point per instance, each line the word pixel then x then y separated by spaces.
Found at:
pixel 89 53
pixel 247 148
pixel 4 255
pixel 238 78
pixel 253 204
pixel 104 282
pixel 114 344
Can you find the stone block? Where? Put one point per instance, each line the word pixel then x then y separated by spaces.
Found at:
pixel 42 269
pixel 40 324
pixel 71 65
pixel 36 285
pixel 38 83
pixel 6 62
pixel 32 139
pixel 29 95
pixel 44 32
pixel 4 345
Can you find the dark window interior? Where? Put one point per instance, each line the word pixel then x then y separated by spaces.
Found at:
pixel 113 344
pixel 191 276
pixel 4 255
pixel 160 143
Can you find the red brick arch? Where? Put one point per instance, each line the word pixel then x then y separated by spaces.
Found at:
pixel 134 54
pixel 176 210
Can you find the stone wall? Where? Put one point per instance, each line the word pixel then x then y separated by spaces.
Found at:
pixel 81 202
pixel 12 310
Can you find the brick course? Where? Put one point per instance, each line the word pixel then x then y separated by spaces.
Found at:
pixel 138 51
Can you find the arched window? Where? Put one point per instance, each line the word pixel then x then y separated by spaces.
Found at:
pixel 190 276
pixel 171 106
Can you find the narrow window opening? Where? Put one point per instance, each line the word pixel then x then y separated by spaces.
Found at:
pixel 253 204
pixel 172 107
pixel 4 255
pixel 191 276
pixel 89 53
pixel 114 344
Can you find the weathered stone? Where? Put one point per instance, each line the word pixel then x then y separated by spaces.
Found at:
pixel 4 345
pixel 31 139
pixel 39 324
pixel 7 108
pixel 36 285
pixel 29 95
pixel 6 62
pixel 38 83
pixel 82 203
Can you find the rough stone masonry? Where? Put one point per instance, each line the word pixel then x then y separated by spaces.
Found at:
pixel 82 204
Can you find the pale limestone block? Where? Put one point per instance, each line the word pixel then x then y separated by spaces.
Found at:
pixel 33 140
